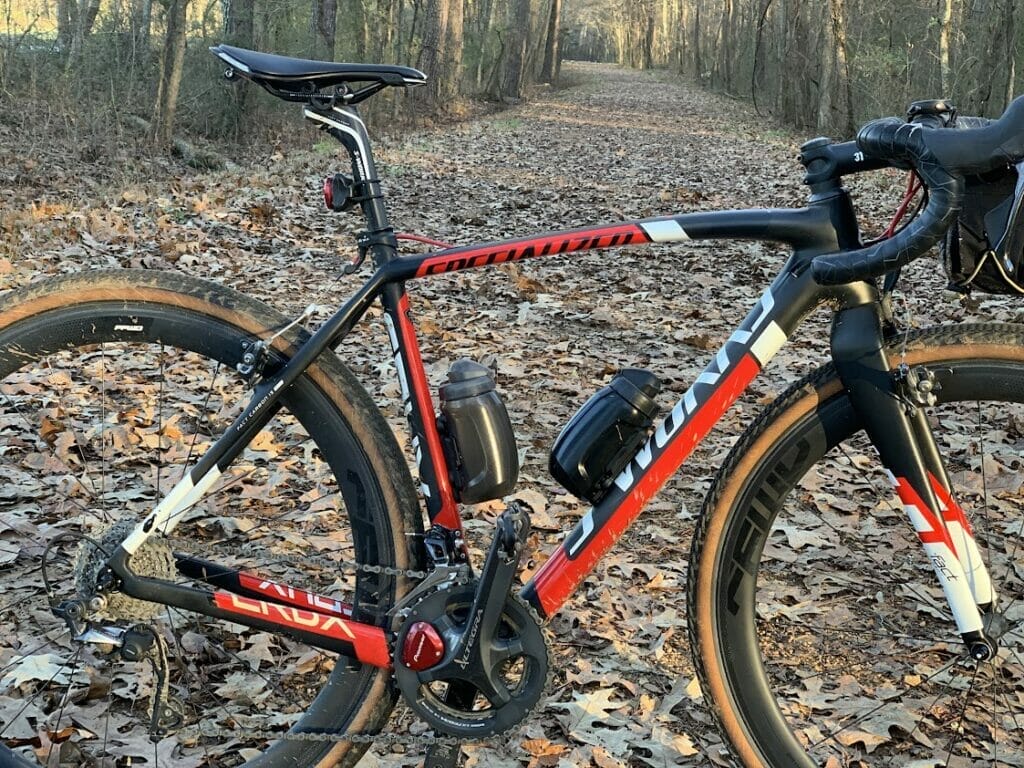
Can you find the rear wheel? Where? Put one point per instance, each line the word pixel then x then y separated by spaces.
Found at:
pixel 111 384
pixel 818 628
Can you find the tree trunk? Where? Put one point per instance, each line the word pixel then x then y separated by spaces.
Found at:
pixel 844 105
pixel 825 87
pixel 551 51
pixel 453 48
pixel 142 16
pixel 726 52
pixel 945 69
pixel 75 19
pixel 67 21
pixel 325 19
pixel 238 22
pixel 697 63
pixel 485 9
pixel 355 15
pixel 171 60
pixel 432 59
pixel 238 30
pixel 647 44
pixel 835 109
pixel 515 49
pixel 1011 51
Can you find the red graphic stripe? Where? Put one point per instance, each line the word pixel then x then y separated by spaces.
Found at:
pixel 282 593
pixel 937 533
pixel 369 642
pixel 448 517
pixel 952 511
pixel 559 576
pixel 546 245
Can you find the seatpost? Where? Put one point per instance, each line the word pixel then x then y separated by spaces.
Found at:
pixel 345 125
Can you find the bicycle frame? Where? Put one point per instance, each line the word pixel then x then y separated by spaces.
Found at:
pixel 826 225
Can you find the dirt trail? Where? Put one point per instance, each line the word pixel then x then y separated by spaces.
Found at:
pixel 617 145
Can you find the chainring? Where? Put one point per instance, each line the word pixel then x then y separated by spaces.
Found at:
pixel 154 559
pixel 439 695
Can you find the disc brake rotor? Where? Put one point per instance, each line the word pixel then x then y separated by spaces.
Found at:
pixel 474 701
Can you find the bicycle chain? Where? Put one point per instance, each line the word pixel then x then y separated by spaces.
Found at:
pixel 355 738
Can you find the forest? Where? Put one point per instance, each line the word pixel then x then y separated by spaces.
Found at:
pixel 164 248
pixel 826 64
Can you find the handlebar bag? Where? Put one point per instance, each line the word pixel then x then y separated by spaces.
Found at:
pixel 967 250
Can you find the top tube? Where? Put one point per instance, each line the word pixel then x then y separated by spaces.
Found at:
pixel 809 229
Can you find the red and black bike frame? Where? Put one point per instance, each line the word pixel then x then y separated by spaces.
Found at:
pixel 827 224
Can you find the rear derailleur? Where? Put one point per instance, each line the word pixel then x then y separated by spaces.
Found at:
pixel 471 659
pixel 137 643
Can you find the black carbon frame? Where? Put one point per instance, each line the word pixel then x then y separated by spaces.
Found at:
pixel 827 224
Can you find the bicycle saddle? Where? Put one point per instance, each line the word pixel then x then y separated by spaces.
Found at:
pixel 288 74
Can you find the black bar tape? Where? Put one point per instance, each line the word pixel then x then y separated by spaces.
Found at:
pixel 899 142
pixel 981 149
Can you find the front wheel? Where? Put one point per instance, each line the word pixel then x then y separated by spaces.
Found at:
pixel 111 385
pixel 819 632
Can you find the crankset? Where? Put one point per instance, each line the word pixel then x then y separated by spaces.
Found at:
pixel 472 659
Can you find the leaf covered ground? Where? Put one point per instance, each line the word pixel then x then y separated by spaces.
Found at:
pixel 615 145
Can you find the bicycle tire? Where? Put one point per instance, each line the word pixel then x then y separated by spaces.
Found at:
pixel 824 643
pixel 329 428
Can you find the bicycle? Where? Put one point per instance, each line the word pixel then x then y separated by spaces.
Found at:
pixel 89 361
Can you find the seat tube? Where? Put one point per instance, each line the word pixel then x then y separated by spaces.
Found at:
pixel 900 432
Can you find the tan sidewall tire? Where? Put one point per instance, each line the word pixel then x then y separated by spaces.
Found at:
pixel 335 380
pixel 934 346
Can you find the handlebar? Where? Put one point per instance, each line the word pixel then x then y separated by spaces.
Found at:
pixel 942 158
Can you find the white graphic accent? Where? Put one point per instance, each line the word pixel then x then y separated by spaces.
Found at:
pixel 664 231
pixel 314 601
pixel 295 616
pixel 762 344
pixel 363 152
pixel 234 63
pixel 767 304
pixel 406 399
pixel 169 511
pixel 586 528
pixel 948 569
pixel 966 548
pixel 768 343
pixel 132 328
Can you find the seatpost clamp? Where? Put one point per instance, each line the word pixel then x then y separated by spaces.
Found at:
pixel 366 240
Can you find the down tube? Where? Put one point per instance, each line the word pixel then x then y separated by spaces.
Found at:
pixel 725 378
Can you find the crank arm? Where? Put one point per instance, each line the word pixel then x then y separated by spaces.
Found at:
pixel 496 579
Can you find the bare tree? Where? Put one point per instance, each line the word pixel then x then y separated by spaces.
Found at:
pixel 945 68
pixel 75 20
pixel 516 39
pixel 432 57
pixel 453 50
pixel 171 60
pixel 549 68
pixel 324 20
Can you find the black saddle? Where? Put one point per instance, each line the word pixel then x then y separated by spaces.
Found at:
pixel 297 79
